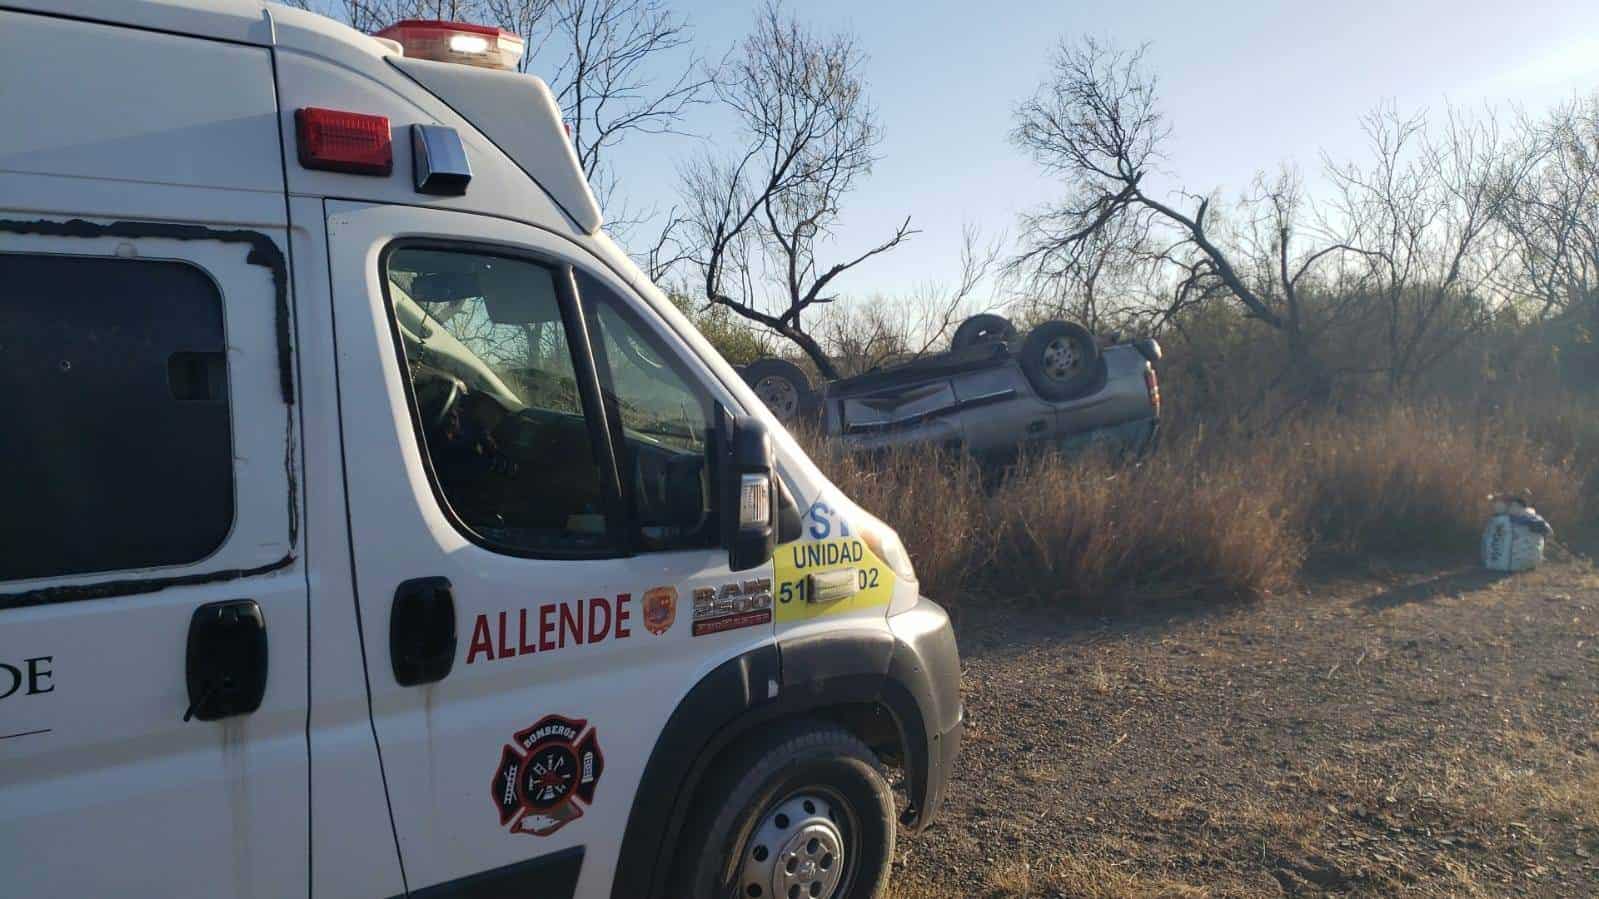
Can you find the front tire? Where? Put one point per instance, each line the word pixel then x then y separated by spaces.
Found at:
pixel 801 812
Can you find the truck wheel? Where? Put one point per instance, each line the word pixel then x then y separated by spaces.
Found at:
pixel 1060 359
pixel 782 386
pixel 802 811
pixel 982 328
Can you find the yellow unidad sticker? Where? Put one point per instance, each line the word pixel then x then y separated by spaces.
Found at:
pixel 800 597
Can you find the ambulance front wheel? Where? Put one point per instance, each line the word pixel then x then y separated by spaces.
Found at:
pixel 802 812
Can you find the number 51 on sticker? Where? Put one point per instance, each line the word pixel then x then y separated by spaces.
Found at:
pixel 790 591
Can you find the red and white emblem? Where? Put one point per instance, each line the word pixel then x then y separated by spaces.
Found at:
pixel 547 775
pixel 660 609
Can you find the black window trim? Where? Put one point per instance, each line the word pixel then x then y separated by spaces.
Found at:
pixel 263 251
pixel 620 530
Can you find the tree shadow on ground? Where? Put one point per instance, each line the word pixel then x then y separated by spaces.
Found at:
pixel 1451 583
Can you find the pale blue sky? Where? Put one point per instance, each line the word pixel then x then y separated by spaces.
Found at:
pixel 1245 85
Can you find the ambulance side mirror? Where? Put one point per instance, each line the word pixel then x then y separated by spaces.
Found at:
pixel 749 512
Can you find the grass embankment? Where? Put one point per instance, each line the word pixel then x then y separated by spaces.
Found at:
pixel 1212 516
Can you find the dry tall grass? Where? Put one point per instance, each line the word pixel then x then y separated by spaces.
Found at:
pixel 1100 533
pixel 1407 481
pixel 1214 515
pixel 934 498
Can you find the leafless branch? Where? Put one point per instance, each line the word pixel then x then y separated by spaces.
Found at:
pixel 759 216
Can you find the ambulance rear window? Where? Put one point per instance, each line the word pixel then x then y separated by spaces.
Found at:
pixel 116 447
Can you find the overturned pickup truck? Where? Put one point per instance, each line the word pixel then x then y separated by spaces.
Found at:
pixel 991 393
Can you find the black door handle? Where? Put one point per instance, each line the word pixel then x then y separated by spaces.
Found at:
pixel 226 661
pixel 422 631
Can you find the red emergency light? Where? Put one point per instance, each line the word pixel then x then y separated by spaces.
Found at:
pixel 338 141
pixel 458 42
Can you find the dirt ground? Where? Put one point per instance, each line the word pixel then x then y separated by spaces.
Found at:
pixel 1404 733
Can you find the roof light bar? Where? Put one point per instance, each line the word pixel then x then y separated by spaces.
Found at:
pixel 457 42
pixel 338 141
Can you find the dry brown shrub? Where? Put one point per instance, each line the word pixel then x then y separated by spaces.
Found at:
pixel 1082 530
pixel 1094 533
pixel 933 498
pixel 1216 514
pixel 1407 481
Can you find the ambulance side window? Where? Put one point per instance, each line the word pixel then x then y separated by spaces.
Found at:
pixel 665 421
pixel 496 401
pixel 117 448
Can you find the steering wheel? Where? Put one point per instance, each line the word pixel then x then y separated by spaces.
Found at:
pixel 640 355
pixel 449 396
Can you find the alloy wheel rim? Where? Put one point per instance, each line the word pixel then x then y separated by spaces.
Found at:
pixel 1060 359
pixel 778 394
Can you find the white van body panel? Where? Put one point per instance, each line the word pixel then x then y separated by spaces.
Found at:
pixel 107 132
pixel 236 21
pixel 333 67
pixel 183 113
pixel 322 64
pixel 499 103
pixel 225 136
pixel 116 767
pixel 349 804
pixel 441 742
pixel 104 758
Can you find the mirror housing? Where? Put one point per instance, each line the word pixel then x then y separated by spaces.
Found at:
pixel 748 492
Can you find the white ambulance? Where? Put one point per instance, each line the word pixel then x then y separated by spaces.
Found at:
pixel 371 527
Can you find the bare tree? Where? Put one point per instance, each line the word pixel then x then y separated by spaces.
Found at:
pixel 756 219
pixel 862 336
pixel 617 67
pixel 1102 276
pixel 1424 211
pixel 1552 216
pixel 667 253
pixel 602 66
pixel 1096 124
pixel 1411 231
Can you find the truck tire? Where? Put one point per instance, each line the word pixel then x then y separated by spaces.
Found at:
pixel 982 328
pixel 782 386
pixel 1060 359
pixel 801 810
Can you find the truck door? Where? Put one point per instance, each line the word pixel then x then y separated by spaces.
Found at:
pixel 536 547
pixel 152 602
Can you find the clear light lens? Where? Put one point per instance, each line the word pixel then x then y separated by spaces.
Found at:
pixel 885 544
pixel 754 500
pixel 456 42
